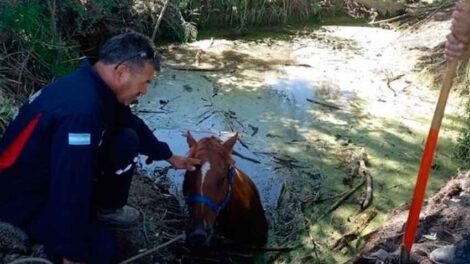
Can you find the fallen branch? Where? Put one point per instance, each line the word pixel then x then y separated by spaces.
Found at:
pixel 288 162
pixel 271 260
pixel 165 103
pixel 342 199
pixel 298 65
pixel 180 237
pixel 200 52
pixel 417 24
pixel 365 172
pixel 243 143
pixel 29 260
pixel 245 157
pixel 367 201
pixel 388 20
pixel 144 225
pixel 159 20
pixel 172 221
pixel 152 111
pixel 399 76
pixel 324 104
pixel 205 118
pixel 274 249
pixel 361 224
pixel 255 130
pixel 321 200
pixel 344 241
pixel 190 68
pixel 390 87
pixel 415 12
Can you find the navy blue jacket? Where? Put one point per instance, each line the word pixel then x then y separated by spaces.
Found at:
pixel 48 158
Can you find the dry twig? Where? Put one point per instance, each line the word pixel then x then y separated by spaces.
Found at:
pixel 331 106
pixel 159 20
pixel 29 260
pixel 155 249
pixel 342 199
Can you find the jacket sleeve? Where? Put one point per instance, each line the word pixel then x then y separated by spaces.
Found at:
pixel 72 166
pixel 149 144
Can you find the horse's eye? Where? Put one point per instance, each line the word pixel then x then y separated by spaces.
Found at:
pixel 220 182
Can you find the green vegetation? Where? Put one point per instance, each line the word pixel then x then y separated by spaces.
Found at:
pixel 243 14
pixel 7 109
pixel 462 151
pixel 21 22
pixel 41 40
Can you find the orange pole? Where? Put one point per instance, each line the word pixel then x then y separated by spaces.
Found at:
pixel 426 160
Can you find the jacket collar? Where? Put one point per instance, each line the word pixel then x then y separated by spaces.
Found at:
pixel 109 100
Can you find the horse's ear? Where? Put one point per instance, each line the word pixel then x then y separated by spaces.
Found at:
pixel 231 142
pixel 191 141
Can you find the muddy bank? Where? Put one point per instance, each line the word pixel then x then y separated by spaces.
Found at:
pixel 384 7
pixel 444 219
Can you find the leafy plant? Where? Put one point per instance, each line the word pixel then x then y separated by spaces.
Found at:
pixel 7 110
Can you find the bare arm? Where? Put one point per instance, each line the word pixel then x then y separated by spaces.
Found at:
pixel 458 41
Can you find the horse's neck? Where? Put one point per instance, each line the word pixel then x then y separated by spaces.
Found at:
pixel 244 207
pixel 238 177
pixel 244 193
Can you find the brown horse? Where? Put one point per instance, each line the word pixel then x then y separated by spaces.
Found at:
pixel 221 196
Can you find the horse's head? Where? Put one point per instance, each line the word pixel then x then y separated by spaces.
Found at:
pixel 208 188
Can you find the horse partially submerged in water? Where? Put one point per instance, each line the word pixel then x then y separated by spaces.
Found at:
pixel 221 197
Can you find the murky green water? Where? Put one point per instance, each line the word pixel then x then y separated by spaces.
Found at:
pixel 297 103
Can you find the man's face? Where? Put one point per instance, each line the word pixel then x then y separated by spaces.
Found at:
pixel 131 83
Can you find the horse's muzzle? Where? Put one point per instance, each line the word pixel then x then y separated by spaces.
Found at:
pixel 198 238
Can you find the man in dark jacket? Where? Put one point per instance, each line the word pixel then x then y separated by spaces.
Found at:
pixel 67 158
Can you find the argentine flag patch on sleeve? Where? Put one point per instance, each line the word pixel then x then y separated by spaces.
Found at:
pixel 79 139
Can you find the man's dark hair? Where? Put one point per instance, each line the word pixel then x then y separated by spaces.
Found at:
pixel 131 48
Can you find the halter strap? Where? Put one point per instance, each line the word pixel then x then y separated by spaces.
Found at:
pixel 203 199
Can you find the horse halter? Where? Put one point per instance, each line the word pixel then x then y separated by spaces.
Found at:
pixel 214 206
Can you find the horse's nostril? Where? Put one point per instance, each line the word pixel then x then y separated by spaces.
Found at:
pixel 197 238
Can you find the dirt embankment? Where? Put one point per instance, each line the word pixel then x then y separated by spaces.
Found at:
pixel 384 7
pixel 445 218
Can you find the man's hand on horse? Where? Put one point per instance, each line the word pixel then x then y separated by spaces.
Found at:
pixel 457 44
pixel 184 163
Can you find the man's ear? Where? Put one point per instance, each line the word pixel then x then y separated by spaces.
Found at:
pixel 122 73
pixel 191 141
pixel 231 142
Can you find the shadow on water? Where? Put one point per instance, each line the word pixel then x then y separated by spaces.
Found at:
pixel 280 32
